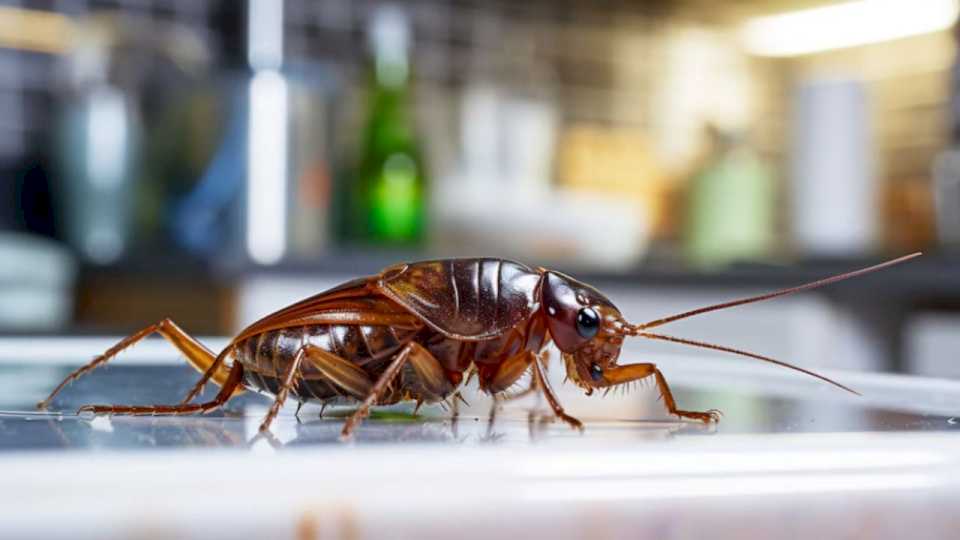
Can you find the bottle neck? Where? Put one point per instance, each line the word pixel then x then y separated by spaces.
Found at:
pixel 391 71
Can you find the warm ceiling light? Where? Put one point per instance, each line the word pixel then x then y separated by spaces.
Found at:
pixel 846 25
pixel 34 30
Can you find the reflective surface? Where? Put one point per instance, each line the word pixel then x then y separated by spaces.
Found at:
pixel 871 466
pixel 615 418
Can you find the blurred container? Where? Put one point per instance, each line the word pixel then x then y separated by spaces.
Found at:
pixel 618 163
pixel 509 115
pixel 931 342
pixel 909 217
pixel 834 202
pixel 946 176
pixel 390 194
pixel 36 283
pixel 730 206
pixel 97 149
pixel 132 133
pixel 946 165
pixel 575 228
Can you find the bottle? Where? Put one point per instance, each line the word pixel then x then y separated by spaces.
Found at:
pixel 390 203
pixel 730 207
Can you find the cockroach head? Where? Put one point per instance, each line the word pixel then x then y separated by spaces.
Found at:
pixel 586 327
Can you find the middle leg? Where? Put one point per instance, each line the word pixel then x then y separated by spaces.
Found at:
pixel 512 369
pixel 289 377
pixel 429 373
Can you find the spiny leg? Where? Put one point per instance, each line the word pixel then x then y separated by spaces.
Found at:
pixel 393 369
pixel 289 376
pixel 197 355
pixel 552 398
pixel 507 374
pixel 226 392
pixel 296 414
pixel 424 365
pixel 432 381
pixel 345 377
pixel 713 415
pixel 633 372
pixel 532 388
pixel 211 373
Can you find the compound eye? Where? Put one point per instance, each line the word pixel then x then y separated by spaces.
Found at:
pixel 588 322
pixel 596 372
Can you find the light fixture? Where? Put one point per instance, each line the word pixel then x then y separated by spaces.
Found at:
pixel 846 24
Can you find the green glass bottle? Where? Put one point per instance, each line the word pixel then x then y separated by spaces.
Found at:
pixel 391 183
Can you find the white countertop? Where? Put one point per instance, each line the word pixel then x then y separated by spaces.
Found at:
pixel 792 457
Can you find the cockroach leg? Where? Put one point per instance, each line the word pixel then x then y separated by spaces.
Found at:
pixel 634 372
pixel 552 398
pixel 412 352
pixel 296 413
pixel 713 415
pixel 226 392
pixel 508 373
pixel 209 374
pixel 431 377
pixel 267 436
pixel 455 409
pixel 341 373
pixel 197 355
pixel 492 417
pixel 393 369
pixel 289 378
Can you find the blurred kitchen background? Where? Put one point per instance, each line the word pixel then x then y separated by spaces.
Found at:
pixel 213 160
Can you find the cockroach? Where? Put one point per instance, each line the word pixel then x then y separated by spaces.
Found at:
pixel 415 330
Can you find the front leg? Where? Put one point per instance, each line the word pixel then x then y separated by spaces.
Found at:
pixel 633 372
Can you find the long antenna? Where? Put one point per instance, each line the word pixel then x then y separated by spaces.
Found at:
pixel 744 353
pixel 783 292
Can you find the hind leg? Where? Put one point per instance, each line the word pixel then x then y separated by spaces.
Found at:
pixel 231 384
pixel 197 355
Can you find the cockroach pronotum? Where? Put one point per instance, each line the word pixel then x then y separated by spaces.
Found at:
pixel 415 330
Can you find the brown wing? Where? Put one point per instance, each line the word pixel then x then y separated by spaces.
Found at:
pixel 466 299
pixel 354 302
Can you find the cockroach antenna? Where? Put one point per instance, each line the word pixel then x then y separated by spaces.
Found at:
pixel 641 329
pixel 775 294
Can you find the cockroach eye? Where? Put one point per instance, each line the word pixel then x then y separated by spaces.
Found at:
pixel 596 372
pixel 588 322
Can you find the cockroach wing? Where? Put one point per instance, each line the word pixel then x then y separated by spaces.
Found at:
pixel 467 299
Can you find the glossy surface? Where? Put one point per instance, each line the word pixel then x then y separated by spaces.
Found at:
pixel 637 416
pixel 883 466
